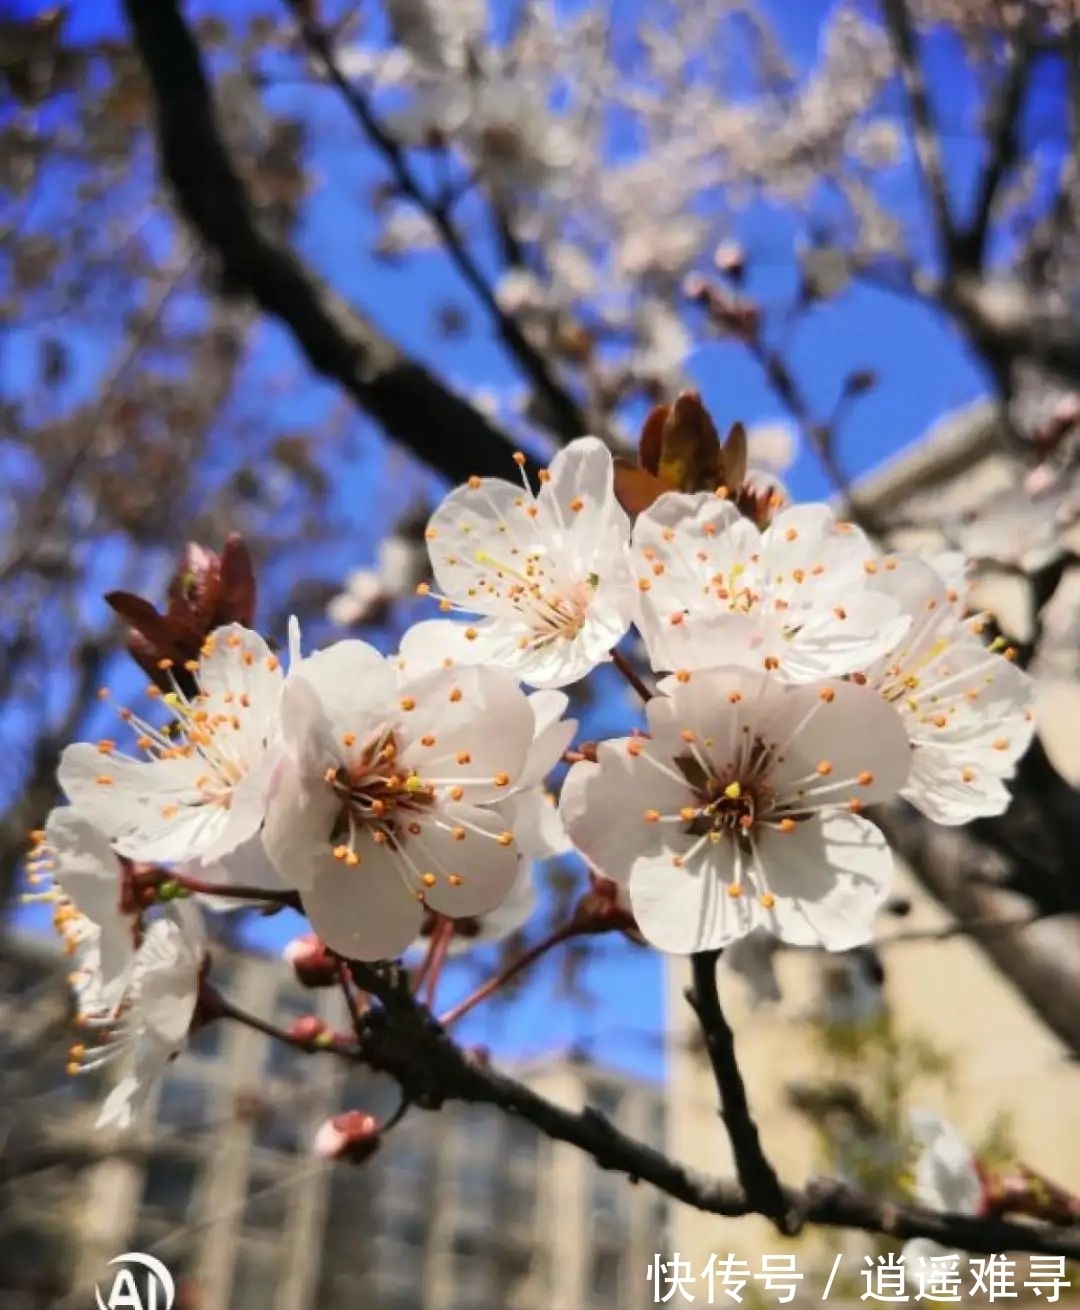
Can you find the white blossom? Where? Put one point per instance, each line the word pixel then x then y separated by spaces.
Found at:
pixel 548 573
pixel 968 711
pixel 946 1177
pixel 151 1024
pixel 507 918
pixel 529 808
pixel 385 799
pixel 88 874
pixel 200 791
pixel 740 809
pixel 713 589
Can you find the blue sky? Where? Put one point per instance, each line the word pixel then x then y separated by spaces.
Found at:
pixel 923 366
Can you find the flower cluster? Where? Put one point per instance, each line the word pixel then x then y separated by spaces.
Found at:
pixel 800 678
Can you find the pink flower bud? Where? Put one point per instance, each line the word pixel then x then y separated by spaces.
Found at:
pixel 309 1028
pixel 312 963
pixel 352 1136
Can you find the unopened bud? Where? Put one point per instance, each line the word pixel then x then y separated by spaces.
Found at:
pixel 352 1136
pixel 605 907
pixel 312 963
pixel 310 1028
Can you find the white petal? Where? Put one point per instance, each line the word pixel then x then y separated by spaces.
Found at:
pixel 829 876
pixel 952 787
pixel 128 1099
pixel 552 735
pixel 682 911
pixel 363 913
pixel 603 807
pixel 534 820
pixel 473 875
pixel 240 661
pixel 843 743
pixel 352 680
pixel 300 815
pixel 479 724
pixel 89 873
pixel 169 980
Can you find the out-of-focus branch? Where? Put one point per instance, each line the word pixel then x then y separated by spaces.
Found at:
pixel 1040 958
pixel 340 342
pixel 1003 139
pixel 566 414
pixel 402 1039
pixel 757 1177
pixel 927 142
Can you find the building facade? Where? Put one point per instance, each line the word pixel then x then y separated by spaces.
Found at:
pixel 462 1209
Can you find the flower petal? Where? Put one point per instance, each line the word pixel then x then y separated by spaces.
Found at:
pixel 472 875
pixel 363 913
pixel 89 873
pixel 829 877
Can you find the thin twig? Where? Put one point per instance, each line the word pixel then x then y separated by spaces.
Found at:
pixel 627 670
pixel 225 1009
pixel 236 891
pixel 567 415
pixel 927 143
pixel 756 1175
pixel 504 976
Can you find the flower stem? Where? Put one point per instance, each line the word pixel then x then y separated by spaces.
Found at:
pixel 756 1175
pixel 237 892
pixel 224 1009
pixel 511 971
pixel 626 669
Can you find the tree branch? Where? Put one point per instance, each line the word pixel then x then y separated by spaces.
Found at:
pixel 566 414
pixel 927 144
pixel 1004 147
pixel 757 1177
pixel 340 342
pixel 403 1040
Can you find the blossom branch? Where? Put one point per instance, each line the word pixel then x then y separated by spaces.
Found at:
pixel 403 1040
pixel 567 416
pixel 235 891
pixel 504 976
pixel 215 1006
pixel 756 1175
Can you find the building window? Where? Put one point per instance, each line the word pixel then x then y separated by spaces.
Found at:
pixel 255 1276
pixel 268 1196
pixel 605 1267
pixel 277 1128
pixel 183 1103
pixel 169 1186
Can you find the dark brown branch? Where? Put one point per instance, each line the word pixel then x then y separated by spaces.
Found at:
pixel 1004 147
pixel 403 1040
pixel 927 143
pixel 757 1177
pixel 340 342
pixel 566 414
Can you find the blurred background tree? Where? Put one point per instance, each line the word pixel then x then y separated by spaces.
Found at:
pixel 285 267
